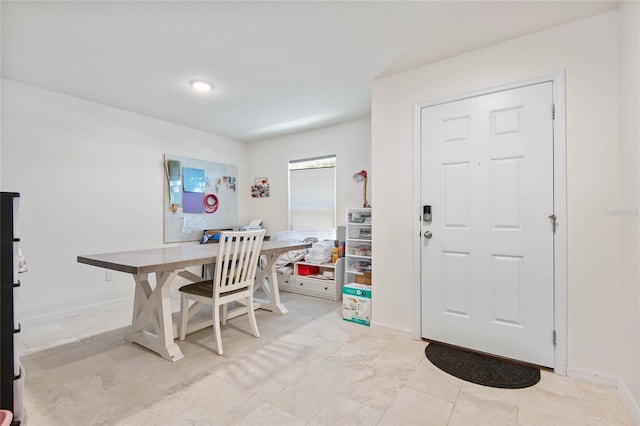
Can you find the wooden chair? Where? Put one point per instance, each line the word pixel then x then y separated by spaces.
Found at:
pixel 233 280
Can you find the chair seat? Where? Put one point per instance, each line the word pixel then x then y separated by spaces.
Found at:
pixel 233 281
pixel 205 289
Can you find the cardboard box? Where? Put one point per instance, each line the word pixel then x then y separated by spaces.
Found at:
pixel 364 279
pixel 356 303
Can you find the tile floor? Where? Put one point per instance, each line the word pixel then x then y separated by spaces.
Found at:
pixel 308 367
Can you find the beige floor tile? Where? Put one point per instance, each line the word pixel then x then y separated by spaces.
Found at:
pixel 308 366
pixel 559 385
pixel 312 307
pixel 404 349
pixel 481 405
pixel 260 393
pixel 268 415
pixel 416 408
pixel 210 397
pixel 174 375
pixel 93 336
pixel 345 411
pixel 360 352
pixel 114 405
pixel 342 331
pixel 602 405
pixel 250 371
pixel 300 342
pixel 430 379
pixel 280 325
pixel 539 406
pixel 275 356
pixel 87 402
pixel 43 353
pixel 306 396
pixel 379 383
pixel 235 335
pixel 68 370
pixel 487 393
pixel 606 419
pixel 168 411
pixel 39 343
pixel 45 401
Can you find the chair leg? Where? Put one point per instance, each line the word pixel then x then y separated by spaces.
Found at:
pixel 252 316
pixel 224 314
pixel 184 316
pixel 216 328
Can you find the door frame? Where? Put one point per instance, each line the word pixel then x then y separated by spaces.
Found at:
pixel 559 205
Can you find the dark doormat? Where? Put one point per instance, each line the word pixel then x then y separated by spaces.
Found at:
pixel 481 369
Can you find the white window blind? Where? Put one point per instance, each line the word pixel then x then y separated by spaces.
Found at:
pixel 312 197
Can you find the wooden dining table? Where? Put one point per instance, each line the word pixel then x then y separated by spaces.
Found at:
pixel 152 322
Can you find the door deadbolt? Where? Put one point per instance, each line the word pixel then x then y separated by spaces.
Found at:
pixel 426 213
pixel 428 235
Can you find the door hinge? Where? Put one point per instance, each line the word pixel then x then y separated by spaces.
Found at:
pixel 553 218
pixel 555 338
pixel 553 111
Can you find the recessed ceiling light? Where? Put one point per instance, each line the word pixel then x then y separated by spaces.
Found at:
pixel 201 86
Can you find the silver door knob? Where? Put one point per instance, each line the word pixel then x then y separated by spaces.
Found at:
pixel 428 235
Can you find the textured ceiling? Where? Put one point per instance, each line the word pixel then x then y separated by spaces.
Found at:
pixel 277 67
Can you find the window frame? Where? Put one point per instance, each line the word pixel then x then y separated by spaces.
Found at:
pixel 321 162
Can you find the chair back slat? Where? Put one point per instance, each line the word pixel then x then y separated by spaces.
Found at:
pixel 237 260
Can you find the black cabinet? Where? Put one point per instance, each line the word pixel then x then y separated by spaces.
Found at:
pixel 10 368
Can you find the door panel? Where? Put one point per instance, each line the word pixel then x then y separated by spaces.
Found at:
pixel 487 271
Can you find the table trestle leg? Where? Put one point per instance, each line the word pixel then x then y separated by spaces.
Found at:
pixel 154 306
pixel 267 279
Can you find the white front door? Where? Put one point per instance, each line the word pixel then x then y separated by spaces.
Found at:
pixel 487 270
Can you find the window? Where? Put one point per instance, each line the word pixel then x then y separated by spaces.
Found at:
pixel 312 193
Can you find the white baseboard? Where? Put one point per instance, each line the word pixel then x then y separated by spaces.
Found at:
pixel 395 330
pixel 592 377
pixel 603 379
pixel 632 406
pixel 62 311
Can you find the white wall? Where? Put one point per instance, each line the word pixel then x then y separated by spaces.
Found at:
pixel 588 51
pixel 350 142
pixel 628 313
pixel 92 181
